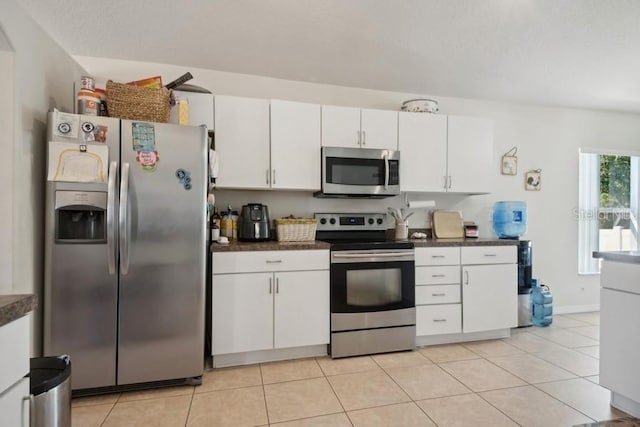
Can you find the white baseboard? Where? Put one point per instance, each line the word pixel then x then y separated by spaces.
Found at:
pixel 568 309
pixel 453 338
pixel 249 358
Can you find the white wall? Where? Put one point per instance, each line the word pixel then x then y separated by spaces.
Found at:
pixel 547 139
pixel 7 62
pixel 42 79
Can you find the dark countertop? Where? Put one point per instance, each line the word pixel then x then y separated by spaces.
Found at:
pixel 273 245
pixel 428 243
pixel 632 257
pixel 13 307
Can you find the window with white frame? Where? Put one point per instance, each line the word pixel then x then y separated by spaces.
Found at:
pixel 608 205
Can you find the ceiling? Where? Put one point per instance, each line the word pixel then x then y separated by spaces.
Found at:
pixel 579 53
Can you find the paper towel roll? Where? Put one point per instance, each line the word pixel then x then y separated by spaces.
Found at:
pixel 417 204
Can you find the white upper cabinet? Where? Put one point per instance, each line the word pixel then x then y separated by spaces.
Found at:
pixel 470 154
pixel 295 145
pixel 445 153
pixel 359 128
pixel 379 129
pixel 265 144
pixel 422 141
pixel 242 142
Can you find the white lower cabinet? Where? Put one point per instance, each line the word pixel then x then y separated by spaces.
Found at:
pixel 490 294
pixel 438 291
pixel 466 289
pixel 254 311
pixel 242 312
pixel 14 404
pixel 301 309
pixel 438 319
pixel 14 388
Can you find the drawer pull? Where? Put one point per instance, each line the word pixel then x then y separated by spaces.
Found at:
pixel 437 256
pixel 441 294
pixel 274 261
pixel 439 320
pixel 437 275
pixel 490 255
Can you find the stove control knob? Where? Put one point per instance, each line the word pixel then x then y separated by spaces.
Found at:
pixel 323 220
pixel 370 220
pixel 379 221
pixel 332 221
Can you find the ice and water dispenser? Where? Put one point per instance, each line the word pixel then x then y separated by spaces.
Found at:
pixel 80 216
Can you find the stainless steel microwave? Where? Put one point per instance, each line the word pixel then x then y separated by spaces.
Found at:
pixel 360 172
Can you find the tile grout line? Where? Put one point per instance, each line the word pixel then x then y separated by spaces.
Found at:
pixel 334 392
pixel 193 393
pixel 264 394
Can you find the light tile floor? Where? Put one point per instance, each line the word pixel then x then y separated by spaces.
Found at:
pixel 537 377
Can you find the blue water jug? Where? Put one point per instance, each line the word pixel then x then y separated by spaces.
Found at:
pixel 509 219
pixel 541 304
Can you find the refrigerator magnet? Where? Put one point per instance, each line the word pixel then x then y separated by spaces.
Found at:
pixel 144 138
pixel 148 160
pixel 67 125
pixel 184 178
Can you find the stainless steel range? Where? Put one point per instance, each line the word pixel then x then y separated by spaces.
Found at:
pixel 372 285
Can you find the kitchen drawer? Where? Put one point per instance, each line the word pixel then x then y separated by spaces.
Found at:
pixel 438 256
pixel 438 319
pixel 14 342
pixel 264 261
pixel 439 275
pixel 437 294
pixel 489 255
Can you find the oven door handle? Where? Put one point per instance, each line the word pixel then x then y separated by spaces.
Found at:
pixel 373 255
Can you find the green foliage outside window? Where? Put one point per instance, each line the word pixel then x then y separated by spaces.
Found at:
pixel 615 180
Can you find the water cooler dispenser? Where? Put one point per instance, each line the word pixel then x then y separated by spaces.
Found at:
pixel 510 222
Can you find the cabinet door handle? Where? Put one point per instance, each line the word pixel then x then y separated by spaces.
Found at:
pixel 440 294
pixel 446 181
pixel 491 255
pixel 277 285
pixel 439 320
pixel 466 277
pixel 359 138
pixel 450 181
pixel 437 275
pixel 30 409
pixel 364 137
pixel 268 175
pixel 274 261
pixel 270 285
pixel 273 180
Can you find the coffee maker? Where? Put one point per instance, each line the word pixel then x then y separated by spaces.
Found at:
pixel 254 224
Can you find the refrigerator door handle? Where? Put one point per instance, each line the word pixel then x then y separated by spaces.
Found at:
pixel 123 221
pixel 111 217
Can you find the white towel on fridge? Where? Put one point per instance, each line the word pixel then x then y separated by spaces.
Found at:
pixel 213 164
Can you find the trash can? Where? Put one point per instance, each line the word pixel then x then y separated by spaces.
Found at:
pixel 50 384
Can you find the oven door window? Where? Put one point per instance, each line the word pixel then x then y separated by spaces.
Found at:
pixel 366 287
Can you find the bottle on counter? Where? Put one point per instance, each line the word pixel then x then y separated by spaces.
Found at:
pixel 226 224
pixel 234 225
pixel 215 225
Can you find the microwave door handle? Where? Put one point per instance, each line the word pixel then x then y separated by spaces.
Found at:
pixel 386 170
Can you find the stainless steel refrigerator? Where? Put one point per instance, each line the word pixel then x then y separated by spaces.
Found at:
pixel 125 250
